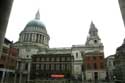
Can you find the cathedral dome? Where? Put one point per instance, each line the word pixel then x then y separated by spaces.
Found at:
pixel 35 33
pixel 35 25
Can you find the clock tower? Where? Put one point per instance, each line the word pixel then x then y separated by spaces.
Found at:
pixel 93 38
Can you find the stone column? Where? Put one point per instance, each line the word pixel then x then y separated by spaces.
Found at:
pixel 43 39
pixel 32 37
pixel 16 71
pixel 24 36
pixel 21 72
pixel 35 35
pixel 28 77
pixel 21 37
pixel 38 38
pixel 28 37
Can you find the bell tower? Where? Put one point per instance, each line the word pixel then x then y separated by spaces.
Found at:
pixel 93 38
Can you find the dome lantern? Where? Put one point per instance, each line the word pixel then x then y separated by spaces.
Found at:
pixel 37 15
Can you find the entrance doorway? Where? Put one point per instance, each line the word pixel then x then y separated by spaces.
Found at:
pixel 96 75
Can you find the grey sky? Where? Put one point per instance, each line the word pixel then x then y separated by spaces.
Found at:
pixel 68 21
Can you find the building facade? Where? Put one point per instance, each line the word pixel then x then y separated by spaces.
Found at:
pixel 8 61
pixel 94 63
pixel 51 66
pixel 119 72
pixel 34 40
pixel 110 66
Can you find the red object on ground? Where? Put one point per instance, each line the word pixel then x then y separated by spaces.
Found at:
pixel 57 76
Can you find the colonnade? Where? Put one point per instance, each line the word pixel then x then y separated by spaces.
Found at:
pixel 22 74
pixel 33 37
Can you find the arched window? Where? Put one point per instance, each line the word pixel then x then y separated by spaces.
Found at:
pixel 76 55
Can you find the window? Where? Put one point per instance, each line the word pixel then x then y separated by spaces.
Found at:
pixel 42 66
pixel 68 58
pixel 37 66
pixel 88 66
pixel 47 66
pixel 63 66
pixel 27 56
pixel 57 67
pixel 38 59
pixel 94 57
pixel 57 59
pixel 110 63
pixel 76 55
pixel 52 67
pixel 95 66
pixel 68 67
pixel 101 65
pixel 47 59
pixel 3 58
pixel 88 58
pixel 95 41
pixel 5 50
pixel 52 59
pixel 26 66
pixel 42 59
pixel 101 57
pixel 63 58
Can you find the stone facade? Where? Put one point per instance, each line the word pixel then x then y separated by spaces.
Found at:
pixel 110 66
pixel 94 63
pixel 46 66
pixel 34 40
pixel 119 71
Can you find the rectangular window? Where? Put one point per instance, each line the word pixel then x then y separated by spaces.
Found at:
pixel 95 66
pixel 101 57
pixel 47 66
pixel 94 57
pixel 47 59
pixel 88 66
pixel 88 58
pixel 52 59
pixel 76 55
pixel 5 50
pixel 37 66
pixel 57 59
pixel 101 65
pixel 63 59
pixel 57 67
pixel 68 58
pixel 26 66
pixel 52 67
pixel 42 67
pixel 37 59
pixel 42 59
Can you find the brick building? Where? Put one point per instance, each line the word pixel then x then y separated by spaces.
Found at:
pixel 7 60
pixel 94 62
